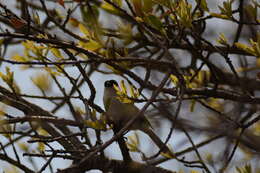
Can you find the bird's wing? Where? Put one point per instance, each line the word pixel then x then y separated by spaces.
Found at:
pixel 107 103
pixel 133 110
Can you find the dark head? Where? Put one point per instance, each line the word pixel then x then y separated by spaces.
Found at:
pixel 110 83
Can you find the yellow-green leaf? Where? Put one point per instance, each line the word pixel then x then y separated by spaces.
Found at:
pixel 114 70
pixel 42 132
pixel 155 22
pixel 139 19
pixel 123 87
pixel 125 31
pixel 23 146
pixel 169 154
pixel 109 8
pixel 56 52
pixel 52 72
pixel 41 146
pixel 90 45
pixel 133 142
pixel 98 124
pixel 222 16
pixel 222 39
pixel 8 78
pixel 194 171
pixel 132 92
pixel 6 128
pixel 203 4
pixel 246 169
pixel 174 79
pixel 19 58
pixel 84 30
pixel 36 18
pixel 245 47
pixel 184 13
pixel 215 104
pixel 42 81
pixel 192 105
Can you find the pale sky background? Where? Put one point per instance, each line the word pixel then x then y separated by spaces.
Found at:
pixel 22 77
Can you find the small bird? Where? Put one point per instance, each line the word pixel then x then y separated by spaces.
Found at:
pixel 120 113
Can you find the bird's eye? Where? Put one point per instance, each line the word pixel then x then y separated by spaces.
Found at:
pixel 107 84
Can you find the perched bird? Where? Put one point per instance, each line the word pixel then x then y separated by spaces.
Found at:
pixel 120 113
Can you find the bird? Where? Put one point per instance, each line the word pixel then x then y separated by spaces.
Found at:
pixel 119 113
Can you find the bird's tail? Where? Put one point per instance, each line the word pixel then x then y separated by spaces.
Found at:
pixel 156 140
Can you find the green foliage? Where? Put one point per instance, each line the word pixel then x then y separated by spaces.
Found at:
pixel 203 4
pixel 194 79
pixel 56 52
pixel 246 169
pixel 155 22
pixel 69 44
pixel 98 124
pixel 90 15
pixel 42 81
pixel 226 9
pixel 222 40
pixel 95 123
pixel 110 8
pixel 8 78
pixel 183 11
pixel 253 48
pixel 133 143
pixel 122 93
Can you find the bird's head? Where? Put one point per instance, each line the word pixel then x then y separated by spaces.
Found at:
pixel 110 83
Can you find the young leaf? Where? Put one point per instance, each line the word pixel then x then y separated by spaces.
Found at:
pixel 123 87
pixel 174 80
pixel 222 39
pixel 222 16
pixel 56 52
pixel 133 143
pixel 183 11
pixel 84 30
pixel 125 31
pixel 42 81
pixel 23 146
pixel 98 124
pixel 6 128
pixel 246 48
pixel 192 105
pixel 109 8
pixel 36 18
pixel 246 169
pixel 168 154
pixel 41 147
pixel 203 4
pixel 8 78
pixel 155 22
pixel 90 45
